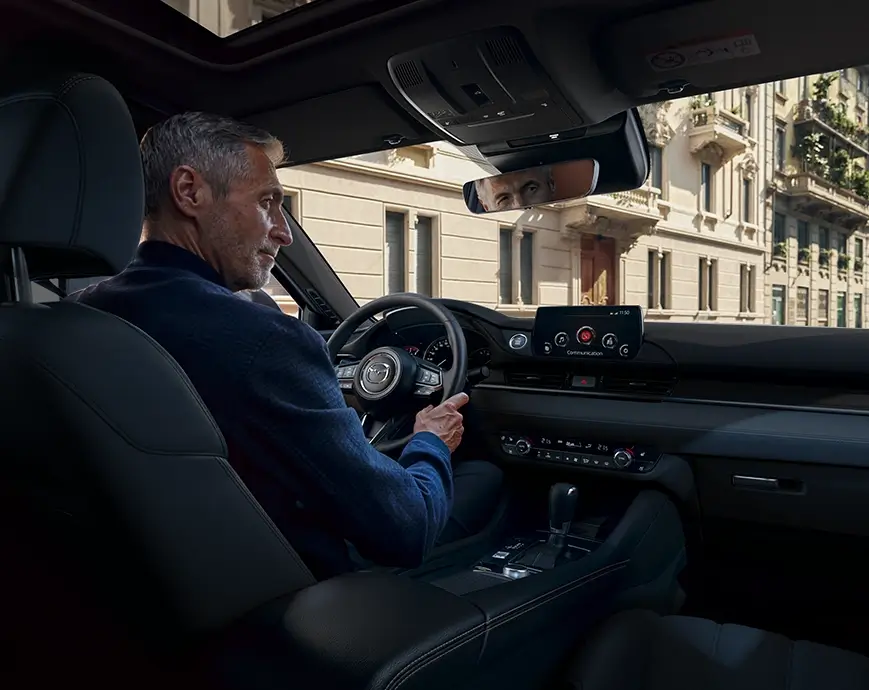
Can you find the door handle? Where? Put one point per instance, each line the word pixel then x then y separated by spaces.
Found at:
pixel 744 481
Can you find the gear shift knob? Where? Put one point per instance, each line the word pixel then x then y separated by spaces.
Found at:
pixel 562 505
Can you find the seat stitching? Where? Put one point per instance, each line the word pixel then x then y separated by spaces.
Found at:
pixel 267 520
pixel 505 617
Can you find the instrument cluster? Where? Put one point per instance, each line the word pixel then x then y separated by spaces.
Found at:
pixel 429 342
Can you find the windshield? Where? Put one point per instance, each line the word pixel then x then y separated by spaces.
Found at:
pixel 754 212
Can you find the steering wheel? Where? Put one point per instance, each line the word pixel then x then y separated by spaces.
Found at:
pixel 389 381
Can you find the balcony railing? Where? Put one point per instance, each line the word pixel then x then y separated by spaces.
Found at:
pixel 719 129
pixel 814 195
pixel 833 122
pixel 636 210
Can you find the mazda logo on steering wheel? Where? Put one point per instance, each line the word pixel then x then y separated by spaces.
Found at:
pixel 377 372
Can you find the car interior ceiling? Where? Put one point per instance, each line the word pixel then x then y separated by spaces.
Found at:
pixel 723 402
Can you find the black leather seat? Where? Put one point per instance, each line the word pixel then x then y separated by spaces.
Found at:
pixel 640 650
pixel 114 480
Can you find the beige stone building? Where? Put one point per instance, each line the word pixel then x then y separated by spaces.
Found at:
pixel 819 191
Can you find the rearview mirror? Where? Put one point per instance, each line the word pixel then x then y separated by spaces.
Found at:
pixel 545 184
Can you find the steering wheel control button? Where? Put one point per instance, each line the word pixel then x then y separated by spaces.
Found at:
pixel 561 339
pixel 518 341
pixel 609 341
pixel 585 335
pixel 624 351
pixel 547 348
pixel 429 378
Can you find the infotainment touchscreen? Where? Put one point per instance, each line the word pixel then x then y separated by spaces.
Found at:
pixel 588 332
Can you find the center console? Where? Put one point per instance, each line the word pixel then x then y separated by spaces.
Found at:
pixel 533 553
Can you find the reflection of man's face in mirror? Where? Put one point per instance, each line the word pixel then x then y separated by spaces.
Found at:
pixel 516 190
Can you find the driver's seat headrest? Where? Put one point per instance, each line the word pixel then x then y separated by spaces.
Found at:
pixel 71 187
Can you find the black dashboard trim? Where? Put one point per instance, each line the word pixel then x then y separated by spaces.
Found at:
pixel 651 399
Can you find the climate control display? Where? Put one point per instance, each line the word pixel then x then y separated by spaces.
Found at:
pixel 591 453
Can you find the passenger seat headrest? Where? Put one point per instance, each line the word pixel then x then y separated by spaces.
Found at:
pixel 71 187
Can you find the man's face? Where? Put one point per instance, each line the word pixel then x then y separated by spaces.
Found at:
pixel 517 190
pixel 242 233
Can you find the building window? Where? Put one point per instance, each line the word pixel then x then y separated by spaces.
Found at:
pixel 505 267
pixel 779 148
pixel 841 243
pixel 516 277
pixel 746 289
pixel 823 246
pixel 803 248
pixel 747 115
pixel 780 86
pixel 802 306
pixel 841 314
pixel 526 268
pixel 858 254
pixel 779 236
pixel 823 307
pixel 658 280
pixel 747 201
pixel 778 304
pixel 706 187
pixel 395 252
pixel 656 163
pixel 425 253
pixel 708 280
pixel 778 229
pixel 858 310
pixel 802 234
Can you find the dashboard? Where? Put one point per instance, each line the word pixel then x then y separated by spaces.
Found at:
pixel 785 394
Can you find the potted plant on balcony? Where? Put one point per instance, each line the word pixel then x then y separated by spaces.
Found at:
pixel 810 150
pixel 844 262
pixel 840 167
pixel 859 182
pixel 805 255
pixel 780 250
pixel 824 257
pixel 699 109
pixel 858 265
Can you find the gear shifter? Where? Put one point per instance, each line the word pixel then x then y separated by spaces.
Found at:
pixel 562 505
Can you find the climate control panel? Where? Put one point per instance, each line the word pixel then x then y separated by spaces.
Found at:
pixel 592 453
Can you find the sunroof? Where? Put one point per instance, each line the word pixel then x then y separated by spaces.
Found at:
pixel 226 17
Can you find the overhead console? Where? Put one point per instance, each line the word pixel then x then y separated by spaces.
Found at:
pixel 484 87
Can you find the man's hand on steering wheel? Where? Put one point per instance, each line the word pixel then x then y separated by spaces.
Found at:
pixel 444 421
pixel 388 384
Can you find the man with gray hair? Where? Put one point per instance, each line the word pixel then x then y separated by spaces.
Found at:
pixel 213 226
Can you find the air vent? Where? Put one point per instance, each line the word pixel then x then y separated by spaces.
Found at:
pixel 320 305
pixel 505 51
pixel 408 75
pixel 530 379
pixel 660 388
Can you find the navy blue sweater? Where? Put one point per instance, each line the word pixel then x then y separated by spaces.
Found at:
pixel 268 381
